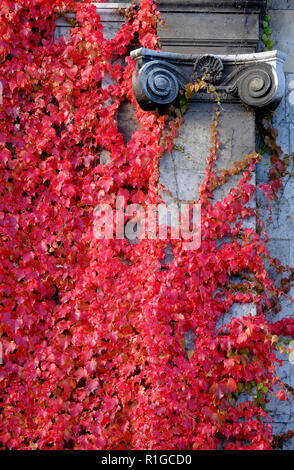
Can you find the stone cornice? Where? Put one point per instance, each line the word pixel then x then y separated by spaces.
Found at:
pixel 215 26
pixel 208 5
pixel 213 5
pixel 255 79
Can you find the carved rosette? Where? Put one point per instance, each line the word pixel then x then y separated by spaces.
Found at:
pixel 257 79
pixel 208 67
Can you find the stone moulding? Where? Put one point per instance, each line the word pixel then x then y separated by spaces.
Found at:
pixel 255 5
pixel 255 79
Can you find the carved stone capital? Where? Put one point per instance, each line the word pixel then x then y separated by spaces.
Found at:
pixel 255 79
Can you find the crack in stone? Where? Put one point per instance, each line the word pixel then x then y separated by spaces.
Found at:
pixel 232 143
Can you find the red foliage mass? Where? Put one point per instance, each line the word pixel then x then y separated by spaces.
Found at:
pixel 92 331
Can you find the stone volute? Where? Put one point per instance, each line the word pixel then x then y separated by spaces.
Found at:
pixel 255 79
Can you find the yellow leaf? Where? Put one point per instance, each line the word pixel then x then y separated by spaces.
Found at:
pixel 190 353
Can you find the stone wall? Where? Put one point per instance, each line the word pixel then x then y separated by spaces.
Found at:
pixel 281 231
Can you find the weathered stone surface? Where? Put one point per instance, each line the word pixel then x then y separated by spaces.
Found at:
pixel 281 234
pixel 282 226
pixel 291 257
pixel 280 249
pixel 283 34
pixel 281 4
pixel 62 28
pixel 105 157
pixel 238 310
pixel 283 138
pixel 210 26
pixel 230 6
pixel 127 122
pixel 201 33
pixel 280 113
pixel 289 98
pixel 283 412
pixel 180 174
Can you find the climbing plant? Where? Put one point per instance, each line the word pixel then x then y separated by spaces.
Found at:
pixel 93 350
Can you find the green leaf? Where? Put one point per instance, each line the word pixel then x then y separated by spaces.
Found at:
pixel 183 343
